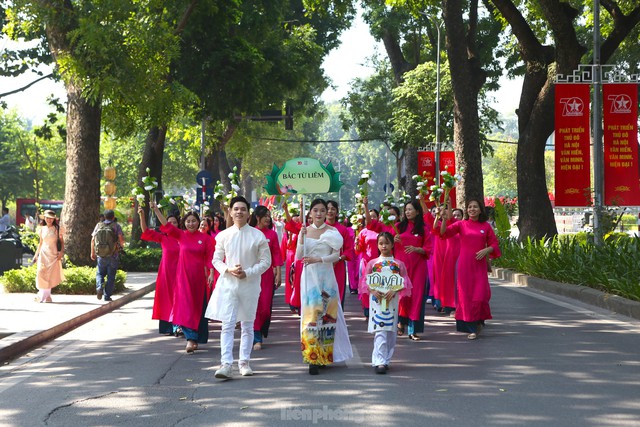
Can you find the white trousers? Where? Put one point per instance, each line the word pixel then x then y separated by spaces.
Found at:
pixel 43 294
pixel 384 343
pixel 226 341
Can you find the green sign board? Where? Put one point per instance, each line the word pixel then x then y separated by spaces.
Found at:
pixel 302 176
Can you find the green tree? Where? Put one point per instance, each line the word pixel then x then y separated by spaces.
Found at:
pixel 471 36
pixel 253 56
pixel 15 179
pixel 549 39
pixel 103 50
pixel 500 177
pixel 351 157
pixel 409 32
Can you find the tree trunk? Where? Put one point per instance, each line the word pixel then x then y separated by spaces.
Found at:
pixel 82 184
pixel 151 158
pixel 211 164
pixel 467 78
pixel 399 159
pixel 536 219
pixel 82 181
pixel 396 57
pixel 247 186
pixel 410 162
pixel 225 170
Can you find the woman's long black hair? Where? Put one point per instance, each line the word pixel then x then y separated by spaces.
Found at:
pixel 258 213
pixel 418 223
pixel 483 213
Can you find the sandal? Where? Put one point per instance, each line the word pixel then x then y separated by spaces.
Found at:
pixel 191 346
pixel 400 329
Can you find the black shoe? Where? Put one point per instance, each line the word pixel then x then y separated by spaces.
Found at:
pixel 353 292
pixel 99 294
pixel 313 370
pixel 108 299
pixel 381 369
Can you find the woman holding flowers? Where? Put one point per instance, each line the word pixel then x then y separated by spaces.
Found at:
pixel 166 279
pixel 413 245
pixel 206 228
pixel 477 243
pixel 324 334
pixel 353 265
pixel 444 258
pixel 346 253
pixel 270 279
pixel 292 228
pixel 194 276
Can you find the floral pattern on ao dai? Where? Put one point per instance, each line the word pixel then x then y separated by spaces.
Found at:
pixel 323 330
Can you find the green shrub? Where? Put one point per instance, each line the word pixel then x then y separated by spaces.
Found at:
pixel 141 259
pixel 82 281
pixel 77 281
pixel 19 280
pixel 613 267
pixel 503 226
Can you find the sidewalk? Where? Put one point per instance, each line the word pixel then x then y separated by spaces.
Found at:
pixel 25 324
pixel 580 293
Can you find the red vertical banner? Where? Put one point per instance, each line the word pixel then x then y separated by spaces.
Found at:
pixel 448 163
pixel 621 172
pixel 427 163
pixel 427 168
pixel 572 153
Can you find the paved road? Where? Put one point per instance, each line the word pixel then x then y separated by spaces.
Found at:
pixel 542 361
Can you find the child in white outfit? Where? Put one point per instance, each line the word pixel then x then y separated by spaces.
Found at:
pixel 383 313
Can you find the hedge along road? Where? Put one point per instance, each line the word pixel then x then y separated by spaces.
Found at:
pixel 543 360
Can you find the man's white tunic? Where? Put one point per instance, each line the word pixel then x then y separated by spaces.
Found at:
pixel 245 246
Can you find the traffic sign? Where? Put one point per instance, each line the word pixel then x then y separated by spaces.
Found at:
pixel 204 178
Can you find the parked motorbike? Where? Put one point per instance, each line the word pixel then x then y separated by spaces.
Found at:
pixel 11 235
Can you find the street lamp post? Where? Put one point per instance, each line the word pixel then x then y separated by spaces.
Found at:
pixel 438 147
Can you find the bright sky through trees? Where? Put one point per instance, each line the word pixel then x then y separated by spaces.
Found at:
pixel 342 65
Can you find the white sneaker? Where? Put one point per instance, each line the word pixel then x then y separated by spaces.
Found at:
pixel 224 372
pixel 245 369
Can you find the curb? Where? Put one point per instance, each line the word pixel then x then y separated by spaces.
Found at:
pixel 585 294
pixel 25 341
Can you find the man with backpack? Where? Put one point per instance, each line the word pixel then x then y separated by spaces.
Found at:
pixel 107 240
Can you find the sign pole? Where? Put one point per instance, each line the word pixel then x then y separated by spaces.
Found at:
pixel 304 224
pixel 204 196
pixel 304 240
pixel 598 152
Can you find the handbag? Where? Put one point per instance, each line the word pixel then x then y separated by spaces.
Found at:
pixel 58 242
